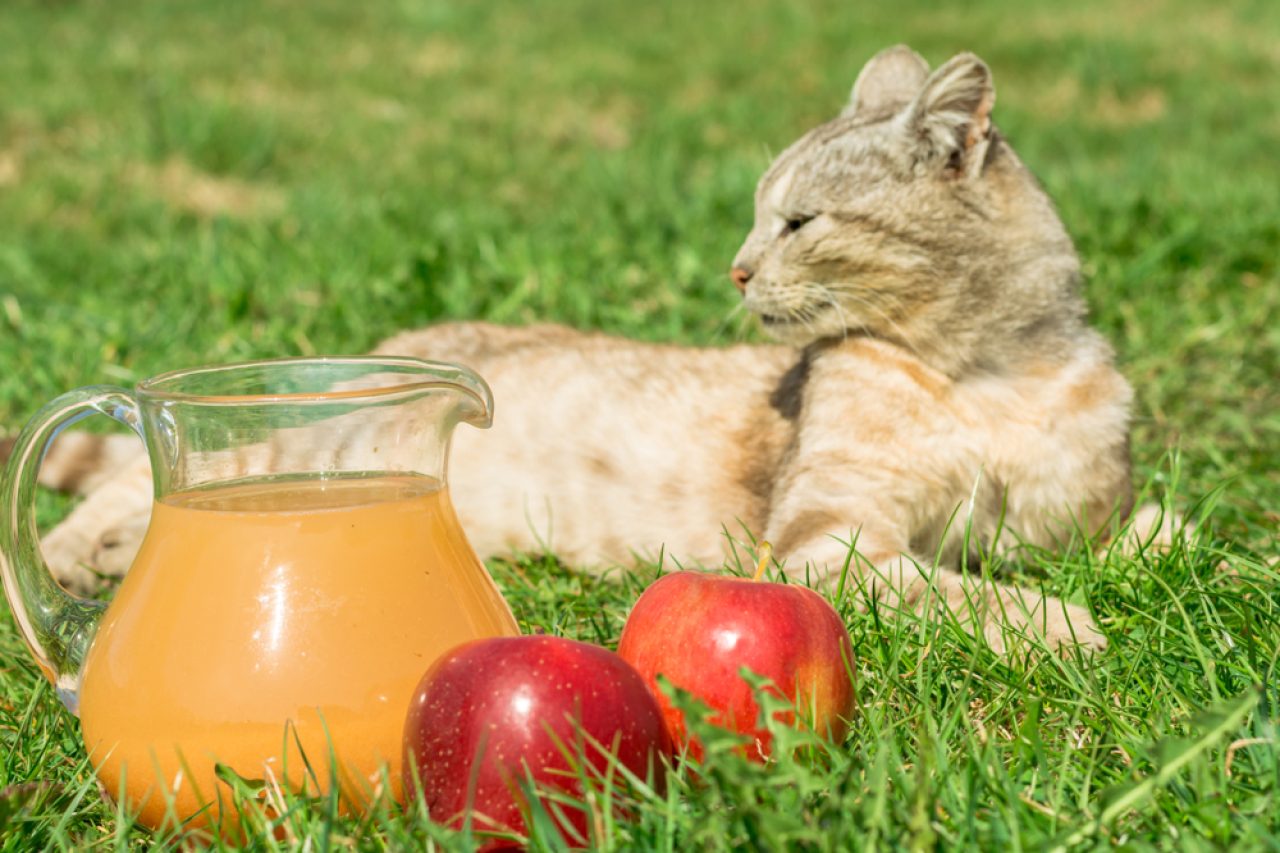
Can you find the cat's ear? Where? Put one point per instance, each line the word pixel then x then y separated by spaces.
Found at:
pixel 950 118
pixel 888 81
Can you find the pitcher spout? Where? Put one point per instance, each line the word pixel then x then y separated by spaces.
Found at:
pixel 474 397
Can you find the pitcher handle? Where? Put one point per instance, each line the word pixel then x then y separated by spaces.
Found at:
pixel 57 626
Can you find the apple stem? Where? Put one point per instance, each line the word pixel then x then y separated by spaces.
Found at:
pixel 766 554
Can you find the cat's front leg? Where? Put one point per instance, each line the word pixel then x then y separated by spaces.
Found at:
pixel 102 534
pixel 880 568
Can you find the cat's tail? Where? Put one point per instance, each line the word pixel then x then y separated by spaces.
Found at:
pixel 79 462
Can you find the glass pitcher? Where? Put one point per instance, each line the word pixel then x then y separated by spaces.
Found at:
pixel 302 568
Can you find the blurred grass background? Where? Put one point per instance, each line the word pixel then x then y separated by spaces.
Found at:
pixel 184 183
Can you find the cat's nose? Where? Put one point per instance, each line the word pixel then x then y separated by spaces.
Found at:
pixel 740 278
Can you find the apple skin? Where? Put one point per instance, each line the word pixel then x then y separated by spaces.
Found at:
pixel 699 630
pixel 507 700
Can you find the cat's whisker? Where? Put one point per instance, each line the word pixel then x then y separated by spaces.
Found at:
pixel 844 320
pixel 893 325
pixel 737 313
pixel 829 297
pixel 804 315
pixel 810 310
pixel 744 324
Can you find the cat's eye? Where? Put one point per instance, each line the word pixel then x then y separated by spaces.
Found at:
pixel 795 223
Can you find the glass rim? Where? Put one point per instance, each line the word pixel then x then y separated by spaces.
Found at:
pixel 435 376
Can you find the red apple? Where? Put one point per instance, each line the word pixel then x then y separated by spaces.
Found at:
pixel 699 630
pixel 491 708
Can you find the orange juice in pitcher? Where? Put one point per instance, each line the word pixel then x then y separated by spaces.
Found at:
pixel 302 568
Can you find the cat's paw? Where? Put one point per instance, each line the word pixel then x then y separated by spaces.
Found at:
pixel 115 549
pixel 82 563
pixel 1069 625
pixel 69 555
pixel 1061 626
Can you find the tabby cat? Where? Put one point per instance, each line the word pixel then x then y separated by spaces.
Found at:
pixel 935 381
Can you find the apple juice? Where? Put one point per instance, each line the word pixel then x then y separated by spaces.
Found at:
pixel 271 619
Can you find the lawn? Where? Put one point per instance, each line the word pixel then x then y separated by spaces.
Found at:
pixel 186 183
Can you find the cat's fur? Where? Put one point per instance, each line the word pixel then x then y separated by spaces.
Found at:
pixel 936 375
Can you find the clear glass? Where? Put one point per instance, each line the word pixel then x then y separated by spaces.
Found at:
pixel 302 568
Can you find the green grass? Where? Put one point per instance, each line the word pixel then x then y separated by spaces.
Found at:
pixel 187 183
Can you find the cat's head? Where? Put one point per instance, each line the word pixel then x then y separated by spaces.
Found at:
pixel 908 218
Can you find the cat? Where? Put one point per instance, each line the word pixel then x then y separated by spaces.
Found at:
pixel 934 381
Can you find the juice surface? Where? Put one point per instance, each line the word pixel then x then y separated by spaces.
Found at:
pixel 312 604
